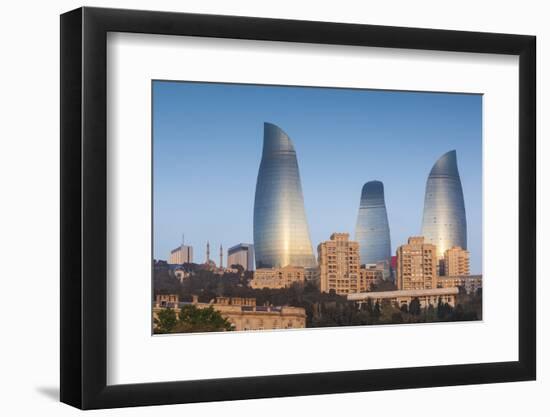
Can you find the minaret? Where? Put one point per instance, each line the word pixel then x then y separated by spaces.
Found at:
pixel 207 252
pixel 221 256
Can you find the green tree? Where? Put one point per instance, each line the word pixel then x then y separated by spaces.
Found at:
pixel 414 307
pixel 193 319
pixel 166 320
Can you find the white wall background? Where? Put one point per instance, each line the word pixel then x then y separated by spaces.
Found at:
pixel 29 209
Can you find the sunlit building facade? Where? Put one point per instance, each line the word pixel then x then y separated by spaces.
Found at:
pixel 181 255
pixel 281 234
pixel 444 219
pixel 372 230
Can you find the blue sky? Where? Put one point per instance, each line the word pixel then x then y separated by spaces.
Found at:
pixel 207 141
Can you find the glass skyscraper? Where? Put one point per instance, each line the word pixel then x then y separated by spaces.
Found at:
pixel 372 230
pixel 444 219
pixel 281 234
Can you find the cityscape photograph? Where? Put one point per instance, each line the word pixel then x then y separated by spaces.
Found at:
pixel 290 207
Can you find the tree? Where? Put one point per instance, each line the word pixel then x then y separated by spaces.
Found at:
pixel 397 317
pixel 376 312
pixel 165 321
pixel 414 307
pixel 193 319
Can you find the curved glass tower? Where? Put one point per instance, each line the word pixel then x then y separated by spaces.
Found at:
pixel 372 230
pixel 444 219
pixel 281 234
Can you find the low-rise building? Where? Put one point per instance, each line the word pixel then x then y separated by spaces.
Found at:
pixel 166 301
pixel 277 277
pixel 404 297
pixel 471 283
pixel 242 313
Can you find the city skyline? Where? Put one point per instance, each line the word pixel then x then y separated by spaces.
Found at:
pixel 328 209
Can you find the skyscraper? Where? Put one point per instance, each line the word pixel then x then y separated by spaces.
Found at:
pixel 444 219
pixel 281 234
pixel 372 230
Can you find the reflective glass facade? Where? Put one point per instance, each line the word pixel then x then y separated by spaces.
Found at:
pixel 444 219
pixel 281 234
pixel 372 230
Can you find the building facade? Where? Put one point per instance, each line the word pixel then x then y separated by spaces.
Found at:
pixel 372 230
pixel 339 266
pixel 241 254
pixel 278 277
pixel 281 234
pixel 456 262
pixel 181 255
pixel 243 313
pixel 470 283
pixel 444 218
pixel 417 265
pixel 426 297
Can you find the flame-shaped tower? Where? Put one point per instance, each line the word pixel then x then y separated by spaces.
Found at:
pixel 444 219
pixel 281 234
pixel 372 230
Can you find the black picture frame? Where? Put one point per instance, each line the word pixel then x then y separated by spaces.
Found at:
pixel 84 207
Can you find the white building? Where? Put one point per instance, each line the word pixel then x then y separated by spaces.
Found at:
pixel 241 254
pixel 181 255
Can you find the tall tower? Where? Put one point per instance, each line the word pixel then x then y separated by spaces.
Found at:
pixel 372 230
pixel 207 252
pixel 221 256
pixel 444 219
pixel 281 234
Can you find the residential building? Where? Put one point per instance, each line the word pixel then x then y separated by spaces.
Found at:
pixel 404 297
pixel 277 277
pixel 417 265
pixel 340 268
pixel 470 283
pixel 456 262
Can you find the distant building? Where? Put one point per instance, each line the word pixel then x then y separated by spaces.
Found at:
pixel 241 254
pixel 339 267
pixel 181 273
pixel 416 265
pixel 312 275
pixel 456 262
pixel 166 301
pixel 277 277
pixel 243 313
pixel 181 255
pixel 471 283
pixel 372 230
pixel 404 297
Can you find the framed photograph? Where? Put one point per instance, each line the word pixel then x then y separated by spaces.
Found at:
pixel 256 208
